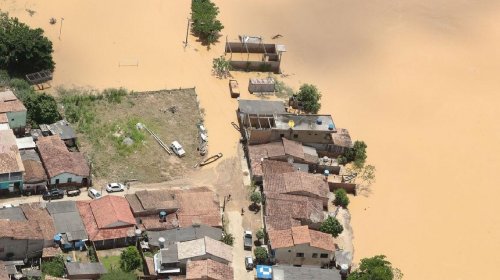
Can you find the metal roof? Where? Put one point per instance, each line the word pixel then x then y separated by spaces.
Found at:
pixel 67 219
pixel 184 234
pixel 301 273
pixel 264 107
pixel 12 213
pixel 74 268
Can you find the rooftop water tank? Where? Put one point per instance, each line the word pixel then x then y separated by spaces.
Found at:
pixel 331 126
pixel 161 242
pixel 319 121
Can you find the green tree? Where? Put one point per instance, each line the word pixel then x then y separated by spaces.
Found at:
pixel 227 238
pixel 260 254
pixel 205 23
pixel 54 267
pixel 42 109
pixel 356 154
pixel 341 198
pixel 256 198
pixel 130 259
pixel 375 268
pixel 332 226
pixel 117 274
pixel 309 96
pixel 23 50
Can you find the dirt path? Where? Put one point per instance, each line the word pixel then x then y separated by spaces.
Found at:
pixel 235 227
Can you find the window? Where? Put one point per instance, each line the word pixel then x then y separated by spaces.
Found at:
pixel 315 255
pixel 69 180
pixel 300 255
pixel 282 135
pixel 295 136
pixel 57 181
pixel 323 256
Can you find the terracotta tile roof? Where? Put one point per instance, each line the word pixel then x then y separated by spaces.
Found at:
pixel 4 275
pixel 294 206
pixel 34 171
pixel 301 235
pixel 112 211
pixel 218 249
pixel 208 269
pixel 342 138
pixel 20 230
pixel 150 264
pixel 3 118
pixel 152 222
pixel 258 152
pixel 322 240
pixel 310 154
pixel 198 206
pixel 297 182
pixel 58 159
pixel 280 222
pixel 276 167
pixel 10 103
pixel 10 158
pixel 95 233
pixel 50 252
pixel 37 213
pixel 153 200
pixel 293 148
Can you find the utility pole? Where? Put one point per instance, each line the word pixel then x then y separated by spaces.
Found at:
pixel 60 28
pixel 187 33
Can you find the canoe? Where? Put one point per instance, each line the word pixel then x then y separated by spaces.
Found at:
pixel 210 159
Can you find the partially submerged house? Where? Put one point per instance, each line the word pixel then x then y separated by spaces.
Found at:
pixel 261 124
pixel 64 168
pixel 282 210
pixel 301 246
pixel 208 269
pixel 252 54
pixel 35 178
pixel 11 165
pixel 13 112
pixel 71 233
pixel 108 221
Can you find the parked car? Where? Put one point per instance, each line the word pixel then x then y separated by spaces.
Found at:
pixel 177 149
pixel 94 194
pixel 53 194
pixel 247 240
pixel 73 192
pixel 8 205
pixel 249 263
pixel 115 187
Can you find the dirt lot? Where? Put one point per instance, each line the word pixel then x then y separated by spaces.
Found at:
pixel 172 115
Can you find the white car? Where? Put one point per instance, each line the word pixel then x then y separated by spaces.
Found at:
pixel 94 194
pixel 177 149
pixel 115 187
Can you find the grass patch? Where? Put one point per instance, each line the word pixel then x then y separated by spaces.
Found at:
pixel 283 91
pixel 111 262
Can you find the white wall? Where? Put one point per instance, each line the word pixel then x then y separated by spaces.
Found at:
pixel 283 256
pixel 63 178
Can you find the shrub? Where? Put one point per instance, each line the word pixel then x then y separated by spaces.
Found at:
pixel 332 226
pixel 117 274
pixel 341 198
pixel 256 198
pixel 130 259
pixel 260 254
pixel 356 154
pixel 221 67
pixel 227 238
pixel 260 234
pixel 375 268
pixel 54 267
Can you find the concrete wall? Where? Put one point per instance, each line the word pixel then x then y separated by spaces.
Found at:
pixel 20 248
pixel 289 256
pixel 260 66
pixel 17 119
pixel 63 178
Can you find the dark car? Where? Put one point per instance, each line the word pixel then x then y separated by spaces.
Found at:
pixel 53 194
pixel 73 192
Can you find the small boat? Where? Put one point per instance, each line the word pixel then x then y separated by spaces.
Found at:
pixel 210 159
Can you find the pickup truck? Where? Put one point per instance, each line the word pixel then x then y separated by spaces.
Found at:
pixel 247 240
pixel 73 192
pixel 53 194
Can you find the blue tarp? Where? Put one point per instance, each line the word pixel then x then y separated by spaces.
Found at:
pixel 264 272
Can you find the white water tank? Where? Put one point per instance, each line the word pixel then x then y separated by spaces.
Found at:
pixel 161 241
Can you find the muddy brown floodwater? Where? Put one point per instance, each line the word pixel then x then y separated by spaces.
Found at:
pixel 417 80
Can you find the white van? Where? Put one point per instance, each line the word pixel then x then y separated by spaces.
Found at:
pixel 94 194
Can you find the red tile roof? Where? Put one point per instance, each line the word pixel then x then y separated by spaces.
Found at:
pixel 50 252
pixel 276 167
pixel 297 182
pixel 10 158
pixel 198 206
pixel 20 230
pixel 118 225
pixel 58 159
pixel 293 148
pixel 3 118
pixel 34 171
pixel 280 222
pixel 36 213
pixel 294 206
pixel 208 269
pixel 10 103
pixel 152 222
pixel 301 235
pixel 112 211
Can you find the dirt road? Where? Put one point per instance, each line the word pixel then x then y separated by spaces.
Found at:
pixel 235 227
